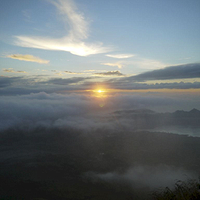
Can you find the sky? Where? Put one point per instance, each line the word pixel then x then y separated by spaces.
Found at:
pixel 99 88
pixel 137 46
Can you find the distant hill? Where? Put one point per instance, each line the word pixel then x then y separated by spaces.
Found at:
pixel 192 113
pixel 138 111
pixel 148 119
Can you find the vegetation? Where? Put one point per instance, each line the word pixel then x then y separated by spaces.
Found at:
pixel 189 190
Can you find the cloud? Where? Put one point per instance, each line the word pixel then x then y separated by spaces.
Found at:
pixel 132 84
pixel 147 176
pixel 49 110
pixel 26 85
pixel 120 84
pixel 109 73
pixel 73 42
pixel 34 84
pixel 69 72
pixel 94 71
pixel 74 110
pixel 61 136
pixel 8 81
pixel 147 63
pixel 10 70
pixel 21 71
pixel 185 71
pixel 68 81
pixel 27 16
pixel 29 58
pixel 120 56
pixel 119 65
pixel 191 70
pixel 138 64
pixel 83 110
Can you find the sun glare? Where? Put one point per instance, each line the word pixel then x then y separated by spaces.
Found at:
pixel 101 93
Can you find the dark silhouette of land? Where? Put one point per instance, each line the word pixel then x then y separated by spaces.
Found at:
pixel 102 163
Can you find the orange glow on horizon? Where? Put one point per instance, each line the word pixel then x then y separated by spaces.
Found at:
pixel 107 92
pixel 164 90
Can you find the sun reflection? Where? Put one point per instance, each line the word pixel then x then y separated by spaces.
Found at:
pixel 100 94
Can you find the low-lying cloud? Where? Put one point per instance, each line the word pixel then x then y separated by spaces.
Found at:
pixel 153 177
pixel 57 140
pixel 80 110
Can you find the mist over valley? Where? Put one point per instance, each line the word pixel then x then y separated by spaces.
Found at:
pixel 68 147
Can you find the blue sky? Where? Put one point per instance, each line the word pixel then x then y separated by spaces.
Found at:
pixel 98 40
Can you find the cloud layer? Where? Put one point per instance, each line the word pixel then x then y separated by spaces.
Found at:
pixel 74 41
pixel 93 79
pixel 83 110
pixel 191 70
pixel 54 138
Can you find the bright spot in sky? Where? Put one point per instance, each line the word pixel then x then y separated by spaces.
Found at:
pixel 100 93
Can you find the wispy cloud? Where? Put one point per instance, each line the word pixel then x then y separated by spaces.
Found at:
pixel 109 73
pixel 68 81
pixel 120 56
pixel 135 61
pixel 73 42
pixel 69 72
pixel 70 14
pixel 21 71
pixel 29 58
pixel 119 65
pixel 148 64
pixel 10 70
pixel 94 71
pixel 27 15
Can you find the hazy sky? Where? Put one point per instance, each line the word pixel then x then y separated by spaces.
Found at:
pixel 78 44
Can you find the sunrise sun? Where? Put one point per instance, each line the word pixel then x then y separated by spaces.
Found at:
pixel 100 91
